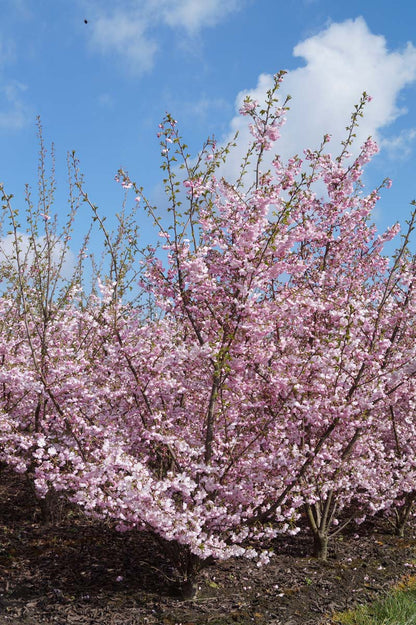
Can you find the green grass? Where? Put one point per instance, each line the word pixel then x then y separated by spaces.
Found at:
pixel 397 608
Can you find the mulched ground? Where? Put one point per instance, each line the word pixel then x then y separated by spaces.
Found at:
pixel 80 572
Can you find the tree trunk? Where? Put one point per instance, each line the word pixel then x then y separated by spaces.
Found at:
pixel 187 589
pixel 48 509
pixel 187 566
pixel 402 514
pixel 320 545
pixel 399 529
pixel 49 506
pixel 319 528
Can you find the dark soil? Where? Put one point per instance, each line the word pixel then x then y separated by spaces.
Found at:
pixel 77 571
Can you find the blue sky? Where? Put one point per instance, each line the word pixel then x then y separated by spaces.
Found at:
pixel 102 87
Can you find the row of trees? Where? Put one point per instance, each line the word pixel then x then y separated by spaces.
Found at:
pixel 266 377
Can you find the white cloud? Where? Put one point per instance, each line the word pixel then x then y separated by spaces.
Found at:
pixel 194 14
pixel 14 112
pixel 400 146
pixel 341 62
pixel 126 27
pixel 125 35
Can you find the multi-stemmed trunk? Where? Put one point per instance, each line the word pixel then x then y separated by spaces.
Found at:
pixel 319 528
pixel 402 513
pixel 320 516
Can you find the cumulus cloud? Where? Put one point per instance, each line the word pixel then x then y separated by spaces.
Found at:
pixel 126 28
pixel 341 62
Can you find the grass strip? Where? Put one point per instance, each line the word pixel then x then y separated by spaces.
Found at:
pixel 398 607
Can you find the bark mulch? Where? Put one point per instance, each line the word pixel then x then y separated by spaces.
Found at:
pixel 76 571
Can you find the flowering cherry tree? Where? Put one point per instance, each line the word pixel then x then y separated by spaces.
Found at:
pixel 269 350
pixel 272 381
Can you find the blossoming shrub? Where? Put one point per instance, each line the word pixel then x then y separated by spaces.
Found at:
pixel 273 381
